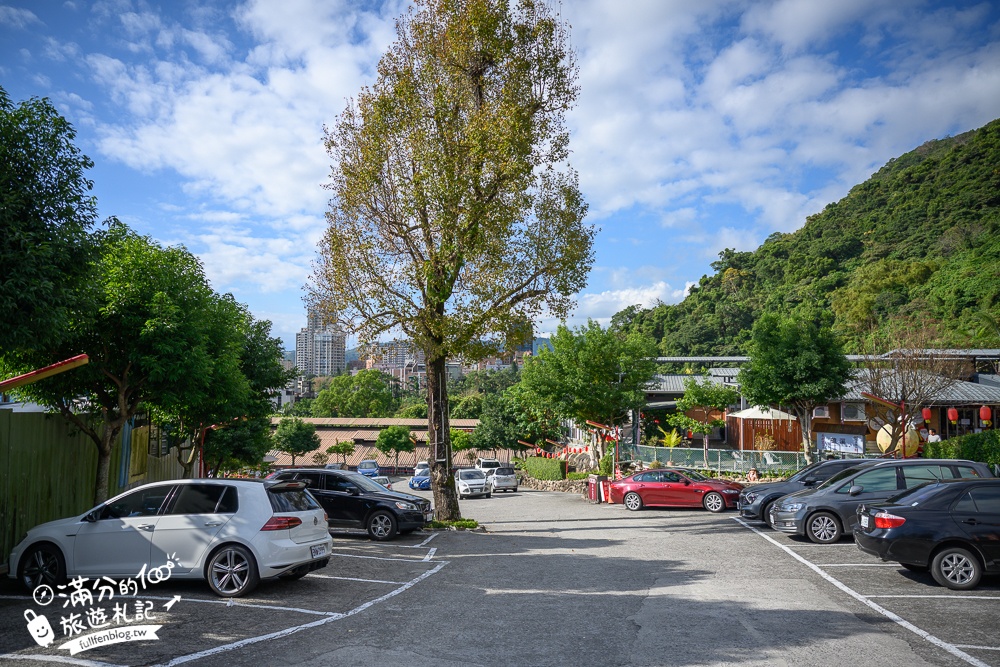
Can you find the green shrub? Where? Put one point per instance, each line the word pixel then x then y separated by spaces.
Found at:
pixel 460 524
pixel 577 475
pixel 547 469
pixel 607 464
pixel 983 447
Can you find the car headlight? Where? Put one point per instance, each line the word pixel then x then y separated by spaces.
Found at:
pixel 750 497
pixel 463 487
pixel 405 506
pixel 792 507
pixel 730 491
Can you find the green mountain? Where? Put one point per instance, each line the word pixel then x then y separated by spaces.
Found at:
pixel 917 240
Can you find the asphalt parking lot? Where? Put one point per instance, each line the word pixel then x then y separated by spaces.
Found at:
pixel 554 580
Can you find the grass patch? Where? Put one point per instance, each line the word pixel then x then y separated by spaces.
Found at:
pixel 461 524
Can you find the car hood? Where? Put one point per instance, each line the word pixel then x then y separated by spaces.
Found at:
pixel 776 487
pixel 719 485
pixel 800 495
pixel 396 495
pixel 70 523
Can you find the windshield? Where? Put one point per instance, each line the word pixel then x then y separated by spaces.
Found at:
pixel 422 472
pixel 805 472
pixel 471 474
pixel 367 465
pixel 839 477
pixel 490 464
pixel 366 483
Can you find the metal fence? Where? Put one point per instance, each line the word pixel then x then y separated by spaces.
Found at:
pixel 724 460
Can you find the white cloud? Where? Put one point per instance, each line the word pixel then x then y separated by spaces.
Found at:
pixel 16 17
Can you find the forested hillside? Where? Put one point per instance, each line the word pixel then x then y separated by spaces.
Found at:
pixel 918 239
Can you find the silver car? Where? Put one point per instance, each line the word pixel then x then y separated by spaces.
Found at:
pixel 502 479
pixel 232 533
pixel 472 482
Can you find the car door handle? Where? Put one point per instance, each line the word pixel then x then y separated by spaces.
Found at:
pixel 146 526
pixel 213 524
pixel 972 522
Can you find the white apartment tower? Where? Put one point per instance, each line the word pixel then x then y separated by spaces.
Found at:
pixel 320 349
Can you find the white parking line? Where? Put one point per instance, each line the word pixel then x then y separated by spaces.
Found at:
pixel 978 648
pixel 430 554
pixel 858 565
pixel 364 581
pixel 950 648
pixel 397 560
pixel 941 597
pixel 424 543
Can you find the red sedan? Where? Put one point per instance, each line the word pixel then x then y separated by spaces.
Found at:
pixel 675 488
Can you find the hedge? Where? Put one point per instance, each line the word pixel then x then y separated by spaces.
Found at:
pixel 983 447
pixel 547 469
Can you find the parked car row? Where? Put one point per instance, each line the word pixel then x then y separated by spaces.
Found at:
pixel 487 477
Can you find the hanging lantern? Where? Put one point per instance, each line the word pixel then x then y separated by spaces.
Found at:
pixel 985 415
pixel 953 415
pixel 926 412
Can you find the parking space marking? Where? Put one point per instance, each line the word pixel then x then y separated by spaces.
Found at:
pixel 940 643
pixel 398 560
pixel 422 544
pixel 941 597
pixel 305 626
pixel 430 554
pixel 364 581
pixel 978 648
pixel 858 565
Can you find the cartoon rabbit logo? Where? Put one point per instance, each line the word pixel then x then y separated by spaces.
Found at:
pixel 39 628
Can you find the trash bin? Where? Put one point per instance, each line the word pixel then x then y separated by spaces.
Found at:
pixel 597 488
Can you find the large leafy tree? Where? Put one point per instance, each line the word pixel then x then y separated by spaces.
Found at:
pixel 795 363
pixel 455 218
pixel 295 437
pixel 366 394
pixel 45 213
pixel 700 409
pixel 591 374
pixel 141 316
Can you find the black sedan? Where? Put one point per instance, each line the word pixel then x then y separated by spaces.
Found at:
pixel 352 500
pixel 951 527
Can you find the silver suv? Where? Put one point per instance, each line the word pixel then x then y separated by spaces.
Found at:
pixel 502 479
pixel 486 465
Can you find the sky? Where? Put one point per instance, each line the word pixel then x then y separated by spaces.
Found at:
pixel 699 125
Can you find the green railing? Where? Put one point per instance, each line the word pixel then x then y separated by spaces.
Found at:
pixel 723 460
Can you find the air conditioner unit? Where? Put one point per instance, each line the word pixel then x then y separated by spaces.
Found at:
pixel 853 412
pixel 821 412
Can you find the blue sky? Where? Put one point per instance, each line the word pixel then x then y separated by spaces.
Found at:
pixel 700 125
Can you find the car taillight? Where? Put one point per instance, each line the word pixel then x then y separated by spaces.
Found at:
pixel 282 523
pixel 886 520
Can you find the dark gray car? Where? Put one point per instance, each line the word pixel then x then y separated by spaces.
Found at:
pixel 825 513
pixel 755 501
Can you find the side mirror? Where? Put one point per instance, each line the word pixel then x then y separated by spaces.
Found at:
pixel 855 490
pixel 809 481
pixel 355 491
pixel 91 516
pixel 687 482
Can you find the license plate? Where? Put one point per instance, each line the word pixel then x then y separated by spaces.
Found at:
pixel 318 550
pixel 428 516
pixel 864 520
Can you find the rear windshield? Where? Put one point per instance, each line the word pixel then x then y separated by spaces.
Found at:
pixel 471 474
pixel 489 464
pixel 505 471
pixel 367 465
pixel 297 500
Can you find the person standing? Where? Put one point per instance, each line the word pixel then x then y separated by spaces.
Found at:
pixel 932 436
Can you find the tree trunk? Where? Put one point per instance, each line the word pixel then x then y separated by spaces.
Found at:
pixel 103 469
pixel 704 447
pixel 805 419
pixel 439 442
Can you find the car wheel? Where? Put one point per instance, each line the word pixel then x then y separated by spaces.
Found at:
pixel 956 568
pixel 632 501
pixel 489 495
pixel 381 526
pixel 823 528
pixel 714 502
pixel 232 571
pixel 42 564
pixel 765 513
pixel 515 489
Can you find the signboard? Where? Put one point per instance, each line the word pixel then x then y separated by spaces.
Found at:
pixel 840 442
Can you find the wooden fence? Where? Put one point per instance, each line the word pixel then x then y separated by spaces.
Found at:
pixel 746 434
pixel 47 471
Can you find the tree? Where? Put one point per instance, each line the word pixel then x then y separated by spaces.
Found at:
pixel 393 440
pixel 366 394
pixel 795 363
pixel 295 437
pixel 591 374
pixel 455 218
pixel 141 317
pixel 902 370
pixel 45 213
pixel 344 448
pixel 462 441
pixel 698 407
pixel 302 407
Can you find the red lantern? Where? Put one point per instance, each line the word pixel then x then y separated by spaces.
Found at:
pixel 953 415
pixel 926 412
pixel 985 415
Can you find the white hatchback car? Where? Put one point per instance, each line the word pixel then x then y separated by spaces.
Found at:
pixel 502 479
pixel 232 533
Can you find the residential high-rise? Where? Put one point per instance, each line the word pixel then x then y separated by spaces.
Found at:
pixel 320 349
